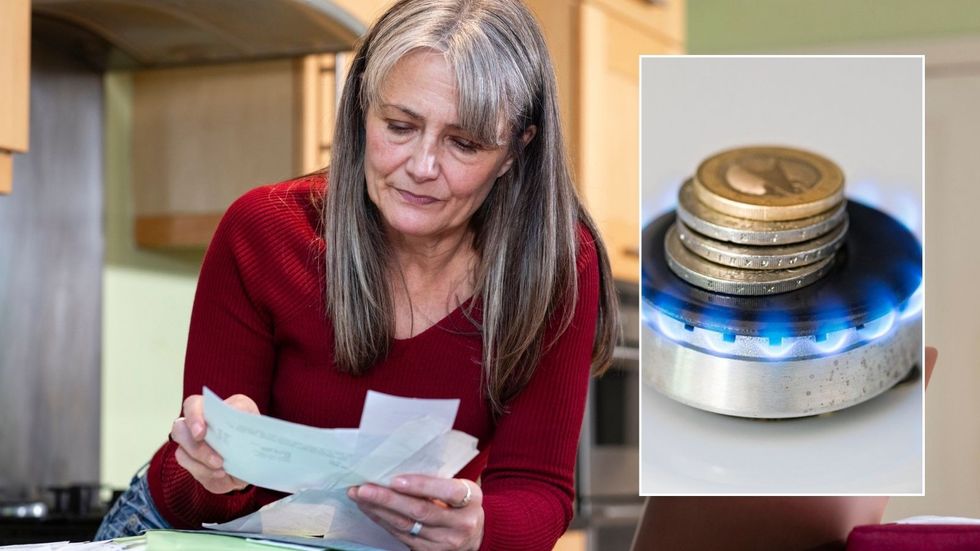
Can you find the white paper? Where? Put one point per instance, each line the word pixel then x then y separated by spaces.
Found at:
pixel 396 436
pixel 276 454
pixel 383 413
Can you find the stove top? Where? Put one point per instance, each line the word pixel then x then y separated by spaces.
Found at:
pixel 63 513
pixel 844 339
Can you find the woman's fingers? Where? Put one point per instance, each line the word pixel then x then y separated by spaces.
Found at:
pixel 427 501
pixel 405 507
pixel 428 537
pixel 197 449
pixel 216 481
pixel 189 431
pixel 455 492
pixel 194 416
pixel 242 402
pixel 195 455
pixel 194 411
pixel 198 470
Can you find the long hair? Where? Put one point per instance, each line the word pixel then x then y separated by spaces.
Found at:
pixel 525 232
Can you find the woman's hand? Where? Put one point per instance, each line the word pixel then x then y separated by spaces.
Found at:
pixel 195 455
pixel 424 512
pixel 931 355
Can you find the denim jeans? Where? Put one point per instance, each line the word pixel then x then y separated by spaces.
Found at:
pixel 133 513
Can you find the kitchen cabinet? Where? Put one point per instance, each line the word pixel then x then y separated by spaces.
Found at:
pixel 595 46
pixel 15 59
pixel 204 135
pixel 365 11
pixel 612 34
pixel 6 171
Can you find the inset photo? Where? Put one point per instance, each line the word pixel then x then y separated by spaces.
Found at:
pixel 782 281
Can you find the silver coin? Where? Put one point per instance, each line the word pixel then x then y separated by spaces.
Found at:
pixel 756 257
pixel 734 281
pixel 708 221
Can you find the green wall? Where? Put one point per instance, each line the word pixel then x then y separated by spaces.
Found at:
pixel 147 299
pixel 733 26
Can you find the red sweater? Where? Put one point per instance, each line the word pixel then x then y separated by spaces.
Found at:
pixel 259 328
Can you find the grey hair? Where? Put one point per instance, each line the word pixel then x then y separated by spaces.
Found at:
pixel 526 231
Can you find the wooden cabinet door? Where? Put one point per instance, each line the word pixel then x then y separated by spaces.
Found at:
pixel 202 136
pixel 15 58
pixel 612 39
pixel 205 135
pixel 6 171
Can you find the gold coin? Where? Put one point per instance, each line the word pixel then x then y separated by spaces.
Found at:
pixel 769 183
pixel 708 221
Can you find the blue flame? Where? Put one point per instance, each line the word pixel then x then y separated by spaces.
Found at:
pixel 908 211
pixel 778 349
pixel 904 207
pixel 835 314
pixel 776 329
pixel 669 327
pixel 911 275
pixel 833 342
pixel 878 328
pixel 880 297
pixel 721 343
pixel 776 344
pixel 775 341
pixel 913 305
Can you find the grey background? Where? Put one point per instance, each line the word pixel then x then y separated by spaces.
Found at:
pixel 864 113
pixel 51 246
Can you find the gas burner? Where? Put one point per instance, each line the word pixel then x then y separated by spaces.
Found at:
pixel 844 339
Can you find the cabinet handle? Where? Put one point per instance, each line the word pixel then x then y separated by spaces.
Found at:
pixel 631 251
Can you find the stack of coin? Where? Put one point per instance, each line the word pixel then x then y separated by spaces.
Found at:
pixel 758 221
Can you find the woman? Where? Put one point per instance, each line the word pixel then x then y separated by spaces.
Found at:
pixel 444 254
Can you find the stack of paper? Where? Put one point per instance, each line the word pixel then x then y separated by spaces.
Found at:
pixel 396 436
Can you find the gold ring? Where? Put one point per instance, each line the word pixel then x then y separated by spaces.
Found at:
pixel 469 494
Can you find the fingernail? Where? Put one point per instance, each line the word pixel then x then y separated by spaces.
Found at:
pixel 218 474
pixel 400 482
pixel 197 429
pixel 352 492
pixel 366 492
pixel 215 461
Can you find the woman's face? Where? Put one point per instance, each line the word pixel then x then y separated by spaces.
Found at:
pixel 425 174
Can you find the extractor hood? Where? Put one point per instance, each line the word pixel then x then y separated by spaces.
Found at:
pixel 158 33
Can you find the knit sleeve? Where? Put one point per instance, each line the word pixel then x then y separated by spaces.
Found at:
pixel 230 349
pixel 528 484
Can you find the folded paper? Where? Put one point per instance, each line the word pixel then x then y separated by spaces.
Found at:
pixel 396 436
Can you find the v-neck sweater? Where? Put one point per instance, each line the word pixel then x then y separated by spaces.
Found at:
pixel 259 327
